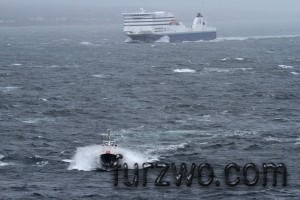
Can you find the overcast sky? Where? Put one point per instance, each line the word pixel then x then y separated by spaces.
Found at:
pixel 20 12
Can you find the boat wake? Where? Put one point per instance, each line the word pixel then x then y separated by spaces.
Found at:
pixel 164 39
pixel 87 158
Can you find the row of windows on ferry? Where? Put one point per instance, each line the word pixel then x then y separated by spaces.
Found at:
pixel 135 18
pixel 146 15
pixel 131 22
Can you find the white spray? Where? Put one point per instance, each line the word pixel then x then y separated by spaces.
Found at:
pixel 87 158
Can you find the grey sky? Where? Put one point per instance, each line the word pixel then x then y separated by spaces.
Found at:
pixel 93 11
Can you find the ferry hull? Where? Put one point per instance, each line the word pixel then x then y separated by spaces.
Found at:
pixel 178 37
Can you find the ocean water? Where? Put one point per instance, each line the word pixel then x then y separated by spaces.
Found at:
pixel 231 100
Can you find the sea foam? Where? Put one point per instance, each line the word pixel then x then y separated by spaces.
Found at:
pixel 98 75
pixel 258 37
pixel 185 70
pixel 164 39
pixel 8 89
pixel 285 66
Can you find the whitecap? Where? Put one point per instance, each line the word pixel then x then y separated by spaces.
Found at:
pixel 42 163
pixel 224 59
pixel 164 39
pixel 43 99
pixel 295 73
pixel 67 160
pixel 240 133
pixel 240 59
pixel 3 164
pixel 233 38
pixel 273 139
pixel 165 148
pixel 16 64
pixel 98 76
pixel 53 66
pixel 85 43
pixel 185 70
pixel 31 121
pixel 176 146
pixel 36 120
pixel 244 68
pixel 128 40
pixel 258 37
pixel 216 69
pixel 285 66
pixel 8 89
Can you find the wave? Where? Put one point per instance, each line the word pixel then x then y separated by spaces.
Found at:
pixel 90 44
pixel 4 163
pixel 253 147
pixel 54 66
pixel 43 99
pixel 273 139
pixel 295 73
pixel 85 43
pixel 222 70
pixel 185 70
pixel 257 37
pixel 231 59
pixel 67 160
pixel 240 133
pixel 8 88
pixel 16 64
pixel 99 76
pixel 164 39
pixel 244 68
pixel 42 163
pixel 36 120
pixel 128 40
pixel 282 140
pixel 285 66
pixel 167 148
pixel 176 146
pixel 87 158
pixel 224 59
pixel 216 69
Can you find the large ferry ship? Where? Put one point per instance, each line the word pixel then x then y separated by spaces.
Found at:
pixel 163 26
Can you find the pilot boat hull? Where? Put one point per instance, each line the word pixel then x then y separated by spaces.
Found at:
pixel 109 162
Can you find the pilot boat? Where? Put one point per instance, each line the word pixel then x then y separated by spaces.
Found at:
pixel 109 156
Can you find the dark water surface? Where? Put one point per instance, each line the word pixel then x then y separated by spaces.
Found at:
pixel 229 100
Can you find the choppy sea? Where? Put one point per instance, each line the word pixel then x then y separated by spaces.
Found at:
pixel 231 100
